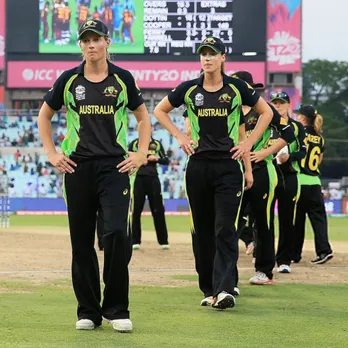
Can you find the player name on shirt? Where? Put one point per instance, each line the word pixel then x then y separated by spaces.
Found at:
pixel 313 138
pixel 212 112
pixel 96 109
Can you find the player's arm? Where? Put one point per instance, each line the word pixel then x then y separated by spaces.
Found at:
pixel 187 124
pixel 252 99
pixel 302 149
pixel 248 171
pixel 286 136
pixel 137 106
pixel 162 155
pixel 161 112
pixel 53 101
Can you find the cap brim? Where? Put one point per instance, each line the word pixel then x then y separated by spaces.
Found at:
pixel 257 85
pixel 94 31
pixel 206 45
pixel 284 100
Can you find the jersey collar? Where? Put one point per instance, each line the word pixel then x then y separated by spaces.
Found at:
pixel 112 69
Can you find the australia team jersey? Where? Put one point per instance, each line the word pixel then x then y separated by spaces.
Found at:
pixel 96 112
pixel 214 116
pixel 315 147
pixel 277 127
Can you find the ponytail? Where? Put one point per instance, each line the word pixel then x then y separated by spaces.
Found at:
pixel 318 124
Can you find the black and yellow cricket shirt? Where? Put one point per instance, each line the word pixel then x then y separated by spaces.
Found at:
pixel 296 149
pixel 96 112
pixel 277 126
pixel 155 149
pixel 309 166
pixel 214 116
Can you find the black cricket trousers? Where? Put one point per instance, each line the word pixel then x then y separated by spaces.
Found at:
pixel 150 186
pixel 214 189
pixel 311 202
pixel 97 184
pixel 287 193
pixel 260 197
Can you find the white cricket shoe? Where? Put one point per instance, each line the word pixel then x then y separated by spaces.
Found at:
pixel 284 269
pixel 85 324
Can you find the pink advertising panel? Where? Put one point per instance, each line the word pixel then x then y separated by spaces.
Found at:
pixel 2 34
pixel 284 35
pixel 147 74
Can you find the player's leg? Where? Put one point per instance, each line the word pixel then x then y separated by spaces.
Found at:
pixel 114 197
pixel 300 223
pixel 318 218
pixel 261 198
pixel 157 209
pixel 139 194
pixel 229 184
pixel 200 197
pixel 100 229
pixel 287 200
pixel 82 207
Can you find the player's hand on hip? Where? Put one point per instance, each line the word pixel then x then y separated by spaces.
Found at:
pixel 152 158
pixel 241 150
pixel 61 162
pixel 283 158
pixel 258 156
pixel 249 179
pixel 186 144
pixel 134 161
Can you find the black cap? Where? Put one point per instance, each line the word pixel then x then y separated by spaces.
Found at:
pixel 248 78
pixel 93 25
pixel 308 111
pixel 214 43
pixel 280 96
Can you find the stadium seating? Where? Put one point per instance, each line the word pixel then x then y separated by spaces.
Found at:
pixel 30 175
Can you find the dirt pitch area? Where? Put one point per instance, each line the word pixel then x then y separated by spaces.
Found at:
pixel 42 255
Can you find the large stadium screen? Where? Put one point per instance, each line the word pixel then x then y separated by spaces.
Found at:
pixel 139 28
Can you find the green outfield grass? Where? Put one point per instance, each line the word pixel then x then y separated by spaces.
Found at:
pixel 283 316
pixel 337 226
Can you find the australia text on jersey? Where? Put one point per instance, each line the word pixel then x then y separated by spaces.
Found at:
pixel 212 112
pixel 96 109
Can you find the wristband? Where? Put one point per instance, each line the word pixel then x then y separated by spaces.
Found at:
pixel 143 153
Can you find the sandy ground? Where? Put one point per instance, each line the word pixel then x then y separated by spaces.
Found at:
pixel 43 255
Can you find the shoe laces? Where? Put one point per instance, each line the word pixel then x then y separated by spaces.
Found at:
pixel 261 275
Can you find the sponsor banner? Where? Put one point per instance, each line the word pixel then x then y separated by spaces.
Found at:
pixel 174 207
pixel 345 206
pixel 65 213
pixel 284 35
pixel 333 206
pixel 147 74
pixel 2 34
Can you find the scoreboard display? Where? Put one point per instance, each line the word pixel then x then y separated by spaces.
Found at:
pixel 140 30
pixel 177 27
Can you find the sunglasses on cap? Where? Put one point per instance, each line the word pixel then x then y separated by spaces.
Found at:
pixel 280 96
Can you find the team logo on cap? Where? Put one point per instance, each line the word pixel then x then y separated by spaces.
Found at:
pixel 225 98
pixel 209 40
pixel 89 24
pixel 110 91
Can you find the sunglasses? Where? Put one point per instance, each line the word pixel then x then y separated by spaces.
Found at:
pixel 279 95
